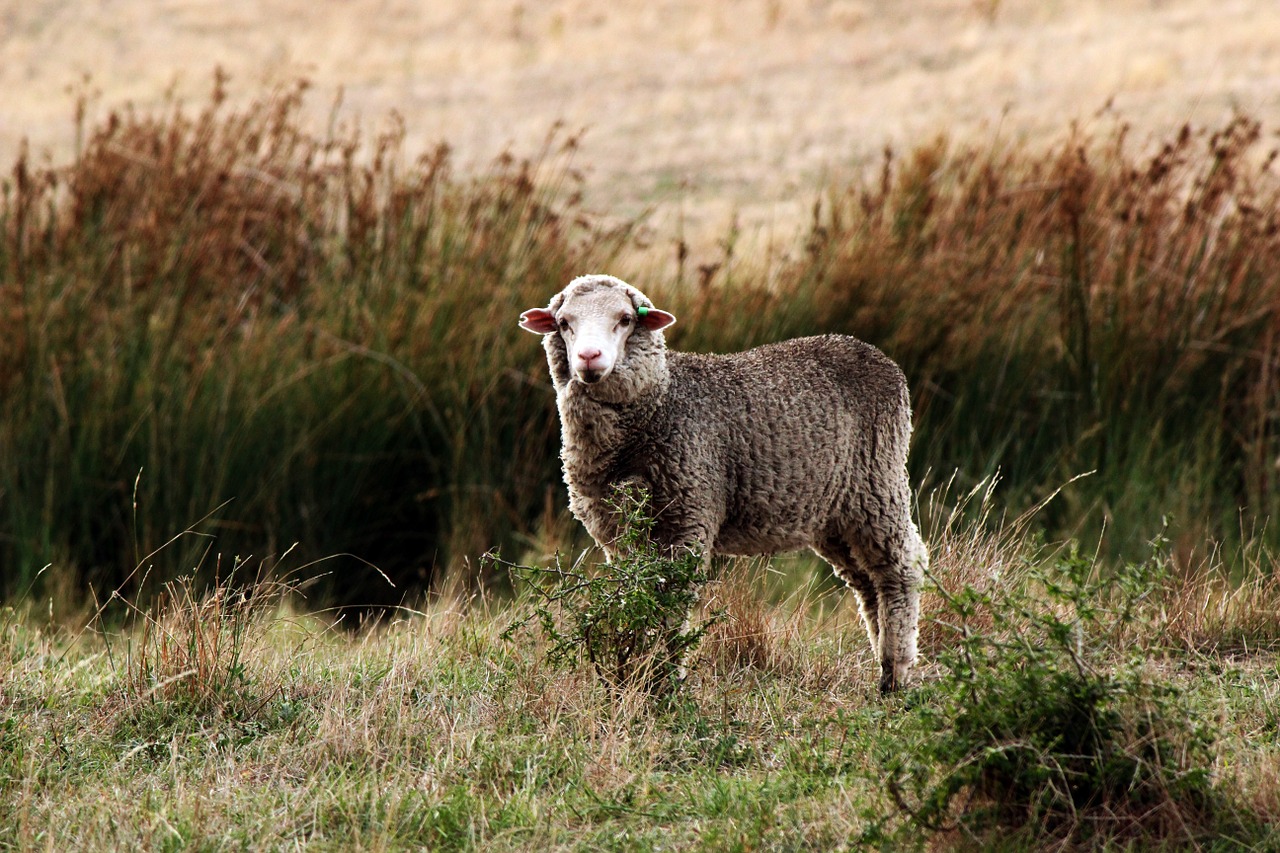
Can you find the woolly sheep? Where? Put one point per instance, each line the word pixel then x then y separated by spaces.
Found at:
pixel 796 444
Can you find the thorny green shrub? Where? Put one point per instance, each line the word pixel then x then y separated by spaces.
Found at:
pixel 628 618
pixel 1041 723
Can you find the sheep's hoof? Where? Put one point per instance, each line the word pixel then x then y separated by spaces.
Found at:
pixel 890 679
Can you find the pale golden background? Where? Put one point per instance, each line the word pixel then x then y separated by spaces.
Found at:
pixel 703 106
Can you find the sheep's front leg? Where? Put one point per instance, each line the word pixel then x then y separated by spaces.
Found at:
pixel 676 546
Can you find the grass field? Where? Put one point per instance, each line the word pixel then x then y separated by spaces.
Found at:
pixel 236 719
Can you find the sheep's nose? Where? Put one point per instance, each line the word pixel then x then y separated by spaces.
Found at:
pixel 589 354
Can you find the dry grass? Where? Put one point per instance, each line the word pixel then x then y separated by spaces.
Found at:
pixel 1219 604
pixel 1208 608
pixel 195 649
pixel 430 730
pixel 790 621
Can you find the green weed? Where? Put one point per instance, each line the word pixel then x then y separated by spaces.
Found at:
pixel 630 618
pixel 1042 723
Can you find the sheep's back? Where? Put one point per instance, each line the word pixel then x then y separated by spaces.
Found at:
pixel 785 435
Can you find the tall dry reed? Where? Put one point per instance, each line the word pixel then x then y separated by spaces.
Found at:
pixel 217 320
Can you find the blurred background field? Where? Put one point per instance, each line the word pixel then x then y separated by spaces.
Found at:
pixel 260 318
pixel 709 108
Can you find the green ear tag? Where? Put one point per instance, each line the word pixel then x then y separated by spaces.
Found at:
pixel 642 311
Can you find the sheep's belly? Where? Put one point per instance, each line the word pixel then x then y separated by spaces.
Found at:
pixel 751 543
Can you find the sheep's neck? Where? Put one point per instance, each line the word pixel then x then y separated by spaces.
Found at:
pixel 596 424
pixel 596 433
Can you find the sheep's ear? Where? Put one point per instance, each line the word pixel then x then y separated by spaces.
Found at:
pixel 654 319
pixel 540 321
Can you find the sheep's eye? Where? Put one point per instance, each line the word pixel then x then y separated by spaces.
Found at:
pixel 564 325
pixel 625 321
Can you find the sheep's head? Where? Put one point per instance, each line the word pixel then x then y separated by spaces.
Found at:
pixel 598 318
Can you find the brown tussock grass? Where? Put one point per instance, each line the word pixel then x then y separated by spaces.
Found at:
pixel 195 646
pixel 812 638
pixel 1222 604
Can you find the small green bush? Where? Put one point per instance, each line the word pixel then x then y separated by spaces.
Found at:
pixel 629 619
pixel 1041 723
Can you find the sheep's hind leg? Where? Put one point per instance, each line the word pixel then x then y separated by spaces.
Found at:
pixel 849 568
pixel 896 563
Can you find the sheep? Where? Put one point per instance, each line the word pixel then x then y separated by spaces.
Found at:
pixel 796 444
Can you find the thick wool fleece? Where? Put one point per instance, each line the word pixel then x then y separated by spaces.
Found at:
pixel 796 444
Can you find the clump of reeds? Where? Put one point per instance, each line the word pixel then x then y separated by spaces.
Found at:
pixel 220 307
pixel 1093 307
pixel 317 334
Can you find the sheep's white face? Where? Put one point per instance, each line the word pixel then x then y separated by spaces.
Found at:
pixel 595 324
pixel 595 327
